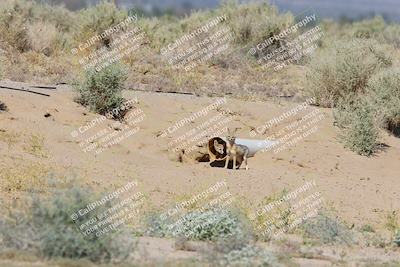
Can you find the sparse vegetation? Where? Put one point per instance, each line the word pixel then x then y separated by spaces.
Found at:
pixel 36 146
pixel 384 90
pixel 360 126
pixel 369 28
pixel 248 255
pixel 357 75
pixel 46 227
pixel 367 228
pixel 397 238
pixel 278 218
pixel 101 90
pixel 211 225
pixel 392 222
pixel 327 230
pixel 96 20
pixel 338 72
pixel 392 35
pixel 29 178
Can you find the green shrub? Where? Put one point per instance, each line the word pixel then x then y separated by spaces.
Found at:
pixel 227 229
pixel 248 255
pixel 397 238
pixel 344 69
pixel 101 90
pixel 360 126
pixel 362 116
pixel 327 230
pixel 211 225
pixel 46 227
pixel 384 90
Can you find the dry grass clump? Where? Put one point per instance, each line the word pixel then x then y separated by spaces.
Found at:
pixel 43 37
pixel 35 146
pixel 20 20
pixel 28 178
pixel 10 138
pixel 33 38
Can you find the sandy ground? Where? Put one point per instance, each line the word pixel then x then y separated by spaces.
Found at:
pixel 362 190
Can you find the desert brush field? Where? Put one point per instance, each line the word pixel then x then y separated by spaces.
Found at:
pixel 115 128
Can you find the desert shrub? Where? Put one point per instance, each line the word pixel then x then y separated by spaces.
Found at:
pixel 211 225
pixel 367 228
pixel 43 37
pixel 397 238
pixel 95 20
pixel 362 116
pixel 392 35
pixel 344 69
pixel 231 236
pixel 384 90
pixel 63 19
pixel 46 227
pixel 248 255
pixel 253 22
pixel 25 24
pixel 360 126
pixel 369 28
pixel 274 221
pixel 250 23
pixel 13 18
pixel 392 221
pixel 101 90
pixel 327 230
pixel 3 107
